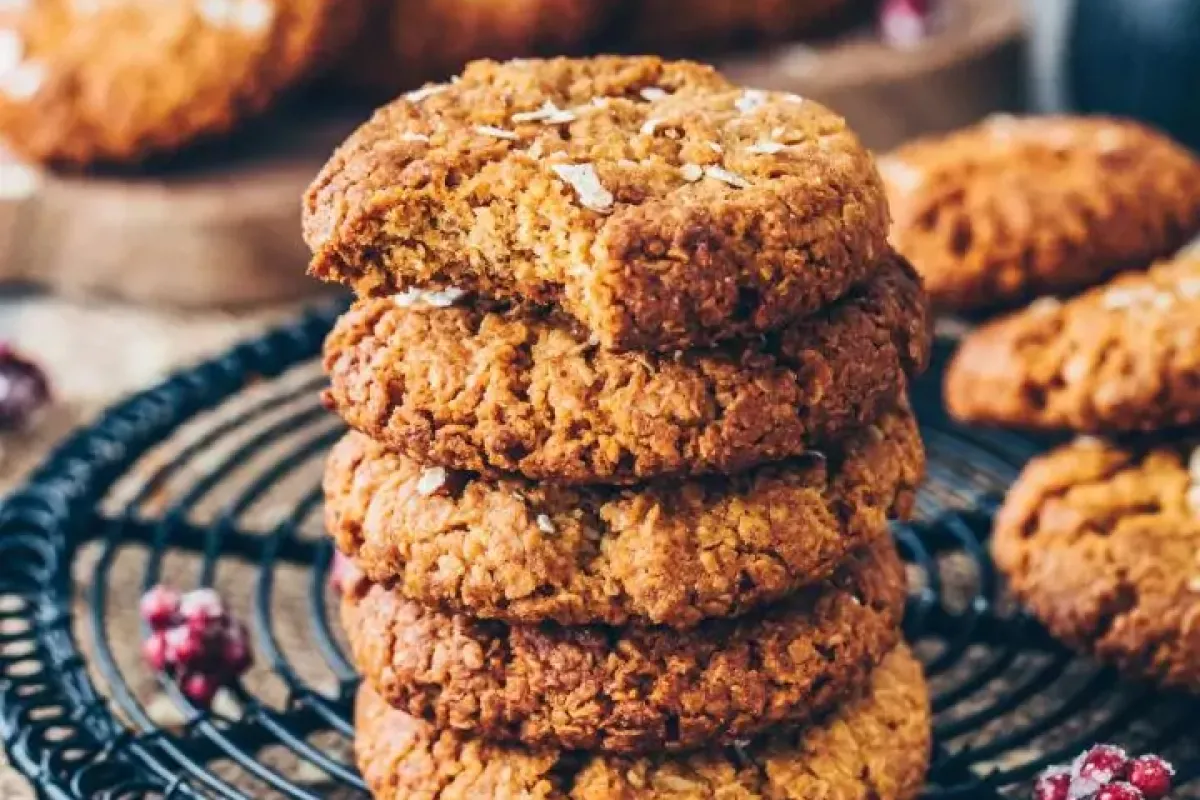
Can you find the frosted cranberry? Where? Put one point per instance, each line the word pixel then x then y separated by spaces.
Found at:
pixel 236 656
pixel 185 648
pixel 159 607
pixel 24 389
pixel 906 23
pixel 1151 775
pixel 1118 791
pixel 1053 784
pixel 201 609
pixel 1101 765
pixel 200 688
pixel 154 651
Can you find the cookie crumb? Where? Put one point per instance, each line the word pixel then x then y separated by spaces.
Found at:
pixel 431 480
pixel 586 183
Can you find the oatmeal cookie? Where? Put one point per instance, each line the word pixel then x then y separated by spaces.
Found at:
pixel 632 689
pixel 876 747
pixel 654 202
pixel 86 81
pixel 518 392
pixel 1101 541
pixel 408 41
pixel 1015 208
pixel 1121 357
pixel 671 553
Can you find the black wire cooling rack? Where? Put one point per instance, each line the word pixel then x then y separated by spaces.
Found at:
pixel 212 479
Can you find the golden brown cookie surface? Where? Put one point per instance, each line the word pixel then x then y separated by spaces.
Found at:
pixel 1121 357
pixel 1014 208
pixel 1100 541
pixel 117 81
pixel 521 393
pixel 873 748
pixel 633 689
pixel 654 202
pixel 672 553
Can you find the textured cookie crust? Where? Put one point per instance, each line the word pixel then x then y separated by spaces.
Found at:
pixel 1121 357
pixel 85 81
pixel 404 43
pixel 873 748
pixel 1014 208
pixel 671 26
pixel 632 689
pixel 1100 541
pixel 672 553
pixel 519 393
pixel 653 201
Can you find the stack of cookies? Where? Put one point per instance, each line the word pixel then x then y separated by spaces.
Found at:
pixel 626 377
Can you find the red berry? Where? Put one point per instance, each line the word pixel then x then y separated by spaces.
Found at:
pixel 185 648
pixel 154 651
pixel 1151 775
pixel 200 688
pixel 159 607
pixel 236 656
pixel 905 23
pixel 1101 765
pixel 1118 791
pixel 1053 784
pixel 201 609
pixel 24 389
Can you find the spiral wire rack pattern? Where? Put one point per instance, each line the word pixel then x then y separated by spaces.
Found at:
pixel 214 474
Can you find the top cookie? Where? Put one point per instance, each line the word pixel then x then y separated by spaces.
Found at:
pixel 1014 208
pixel 84 81
pixel 1121 357
pixel 655 202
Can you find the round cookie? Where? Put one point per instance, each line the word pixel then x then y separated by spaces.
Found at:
pixel 671 553
pixel 1120 357
pixel 670 26
pixel 405 42
pixel 654 202
pixel 1100 541
pixel 1014 208
pixel 632 689
pixel 118 81
pixel 519 392
pixel 875 747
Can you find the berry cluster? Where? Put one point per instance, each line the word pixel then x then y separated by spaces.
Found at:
pixel 1105 772
pixel 194 638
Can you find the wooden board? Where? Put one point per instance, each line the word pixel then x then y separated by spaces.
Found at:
pixel 223 229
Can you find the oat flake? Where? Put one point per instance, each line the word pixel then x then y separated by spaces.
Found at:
pixel 586 183
pixel 417 95
pixel 1044 305
pixel 549 114
pixel 650 126
pixel 248 16
pixel 653 93
pixel 499 133
pixel 725 176
pixel 750 100
pixel 544 524
pixel 431 480
pixel 691 172
pixel 766 148
pixel 716 148
pixel 23 81
pixel 443 298
pixel 414 137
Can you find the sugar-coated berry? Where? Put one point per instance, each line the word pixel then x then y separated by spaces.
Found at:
pixel 1151 775
pixel 1118 791
pixel 236 656
pixel 1101 765
pixel 200 688
pixel 154 651
pixel 200 609
pixel 186 649
pixel 1053 784
pixel 159 607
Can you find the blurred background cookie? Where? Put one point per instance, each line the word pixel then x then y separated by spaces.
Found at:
pixel 671 26
pixel 122 80
pixel 1014 208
